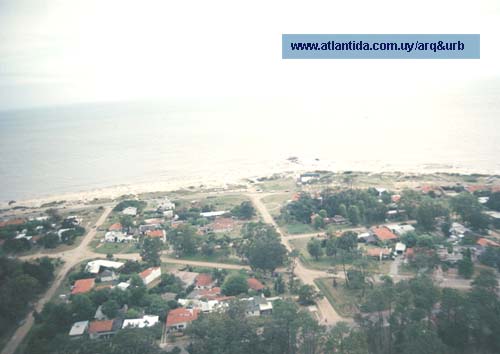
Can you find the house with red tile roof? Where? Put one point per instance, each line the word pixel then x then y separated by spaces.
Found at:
pixel 255 284
pixel 383 234
pixel 484 242
pixel 204 281
pixel 178 319
pixel 150 275
pixel 82 286
pixel 17 221
pixel 222 225
pixel 379 253
pixel 104 328
pixel 115 227
pixel 161 234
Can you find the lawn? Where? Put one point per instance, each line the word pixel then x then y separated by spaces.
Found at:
pixel 298 228
pixel 301 245
pixel 275 202
pixel 216 257
pixel 112 248
pixel 345 301
pixel 278 185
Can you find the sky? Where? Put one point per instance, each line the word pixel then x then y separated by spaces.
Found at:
pixel 58 51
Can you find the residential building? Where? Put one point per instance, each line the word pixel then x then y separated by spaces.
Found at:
pixel 145 321
pixel 94 267
pixel 187 278
pixel 213 214
pixel 400 248
pixel 117 236
pixel 383 234
pixel 105 328
pixel 204 281
pixel 178 319
pixel 401 229
pixel 255 284
pixel 79 329
pixel 378 253
pixel 116 227
pixel 82 286
pixel 458 230
pixel 150 275
pixel 131 211
pixel 108 275
pixel 258 306
pixel 160 234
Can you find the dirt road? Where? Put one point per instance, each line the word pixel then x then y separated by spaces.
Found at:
pixel 328 315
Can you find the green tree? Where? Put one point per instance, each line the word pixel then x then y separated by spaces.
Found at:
pixel 110 308
pixel 307 295
pixel 465 266
pixel 183 240
pixel 314 248
pixel 342 210
pixel 354 215
pixel 150 251
pixel 234 285
pixel 244 211
pixel 82 307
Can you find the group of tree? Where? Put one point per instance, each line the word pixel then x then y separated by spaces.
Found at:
pixel 359 206
pixel 470 211
pixel 415 316
pixel 124 204
pixel 262 247
pixel 244 211
pixel 20 283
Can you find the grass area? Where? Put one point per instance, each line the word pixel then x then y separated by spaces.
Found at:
pixel 219 201
pixel 112 248
pixel 344 301
pixel 275 202
pixel 298 228
pixel 305 257
pixel 217 257
pixel 278 185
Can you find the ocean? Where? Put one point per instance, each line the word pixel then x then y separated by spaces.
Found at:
pixel 64 149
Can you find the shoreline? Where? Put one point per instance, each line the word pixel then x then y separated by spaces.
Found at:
pixel 113 192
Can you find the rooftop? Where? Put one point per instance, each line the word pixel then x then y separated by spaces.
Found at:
pixel 204 279
pixel 101 326
pixel 83 286
pixel 181 315
pixel 255 284
pixel 384 234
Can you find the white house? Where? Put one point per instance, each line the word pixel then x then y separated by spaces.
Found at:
pixel 165 205
pixel 94 266
pixel 400 248
pixel 79 329
pixel 149 275
pixel 117 236
pixel 132 211
pixel 401 229
pixel 458 230
pixel 123 286
pixel 145 321
pixel 212 214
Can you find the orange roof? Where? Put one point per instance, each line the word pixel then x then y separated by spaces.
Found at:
pixel 115 227
pixel 210 293
pixel 255 284
pixel 395 198
pixel 409 252
pixel 155 233
pixel 485 242
pixel 181 315
pixel 17 221
pixel 101 326
pixel 384 234
pixel 204 279
pixel 224 298
pixel 101 287
pixel 83 286
pixel 377 251
pixel 147 272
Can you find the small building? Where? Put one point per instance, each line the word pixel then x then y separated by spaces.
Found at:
pixel 116 227
pixel 213 214
pixel 258 306
pixel 308 177
pixel 338 220
pixel 150 275
pixel 178 319
pixel 165 205
pixel 400 248
pixel 117 236
pixel 160 234
pixel 209 294
pixel 482 243
pixel 94 267
pixel 204 281
pixel 82 286
pixel 131 211
pixel 401 229
pixel 255 284
pixel 145 321
pixel 458 230
pixel 79 329
pixel 222 225
pixel 123 285
pixel 383 234
pixel 366 237
pixel 378 253
pixel 104 329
